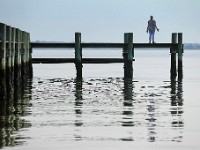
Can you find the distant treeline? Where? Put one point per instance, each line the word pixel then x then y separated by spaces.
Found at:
pixel 192 46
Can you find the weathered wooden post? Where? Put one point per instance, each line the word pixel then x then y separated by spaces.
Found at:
pixel 13 47
pixel 3 48
pixel 8 58
pixel 180 55
pixel 13 52
pixel 78 56
pixel 128 55
pixel 9 77
pixel 23 53
pixel 8 46
pixel 2 60
pixel 18 55
pixel 27 49
pixel 173 51
pixel 30 67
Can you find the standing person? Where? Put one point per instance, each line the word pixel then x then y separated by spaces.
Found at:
pixel 151 29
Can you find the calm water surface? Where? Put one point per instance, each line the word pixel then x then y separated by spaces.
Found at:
pixel 105 111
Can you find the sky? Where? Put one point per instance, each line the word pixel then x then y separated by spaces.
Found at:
pixel 102 20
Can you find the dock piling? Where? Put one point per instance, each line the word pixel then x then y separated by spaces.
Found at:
pixel 78 55
pixel 13 49
pixel 8 46
pixel 2 60
pixel 17 68
pixel 173 51
pixel 23 52
pixel 3 47
pixel 29 56
pixel 12 42
pixel 8 58
pixel 180 55
pixel 128 55
pixel 12 56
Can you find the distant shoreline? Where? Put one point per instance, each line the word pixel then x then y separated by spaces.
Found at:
pixel 195 46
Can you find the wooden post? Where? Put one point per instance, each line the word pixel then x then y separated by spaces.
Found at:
pixel 180 55
pixel 3 47
pixel 2 60
pixel 30 67
pixel 173 56
pixel 23 53
pixel 128 55
pixel 12 55
pixel 29 56
pixel 78 56
pixel 18 55
pixel 8 46
pixel 27 48
pixel 13 47
pixel 8 59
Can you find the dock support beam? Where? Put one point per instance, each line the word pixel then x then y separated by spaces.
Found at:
pixel 128 55
pixel 173 56
pixel 78 55
pixel 180 55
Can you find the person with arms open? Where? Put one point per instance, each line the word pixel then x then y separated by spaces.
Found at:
pixel 151 29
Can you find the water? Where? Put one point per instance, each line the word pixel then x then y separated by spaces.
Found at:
pixel 105 111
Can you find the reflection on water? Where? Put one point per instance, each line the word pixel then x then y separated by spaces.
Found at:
pixel 177 108
pixel 127 113
pixel 128 103
pixel 14 104
pixel 108 109
pixel 78 108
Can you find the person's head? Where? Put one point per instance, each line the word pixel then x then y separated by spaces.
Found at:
pixel 151 17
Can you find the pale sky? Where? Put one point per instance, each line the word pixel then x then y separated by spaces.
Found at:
pixel 102 20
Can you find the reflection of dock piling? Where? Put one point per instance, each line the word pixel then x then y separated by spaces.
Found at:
pixel 14 57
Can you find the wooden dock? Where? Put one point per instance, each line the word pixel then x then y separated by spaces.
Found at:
pixel 15 59
pixel 16 52
pixel 93 45
pixel 128 46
